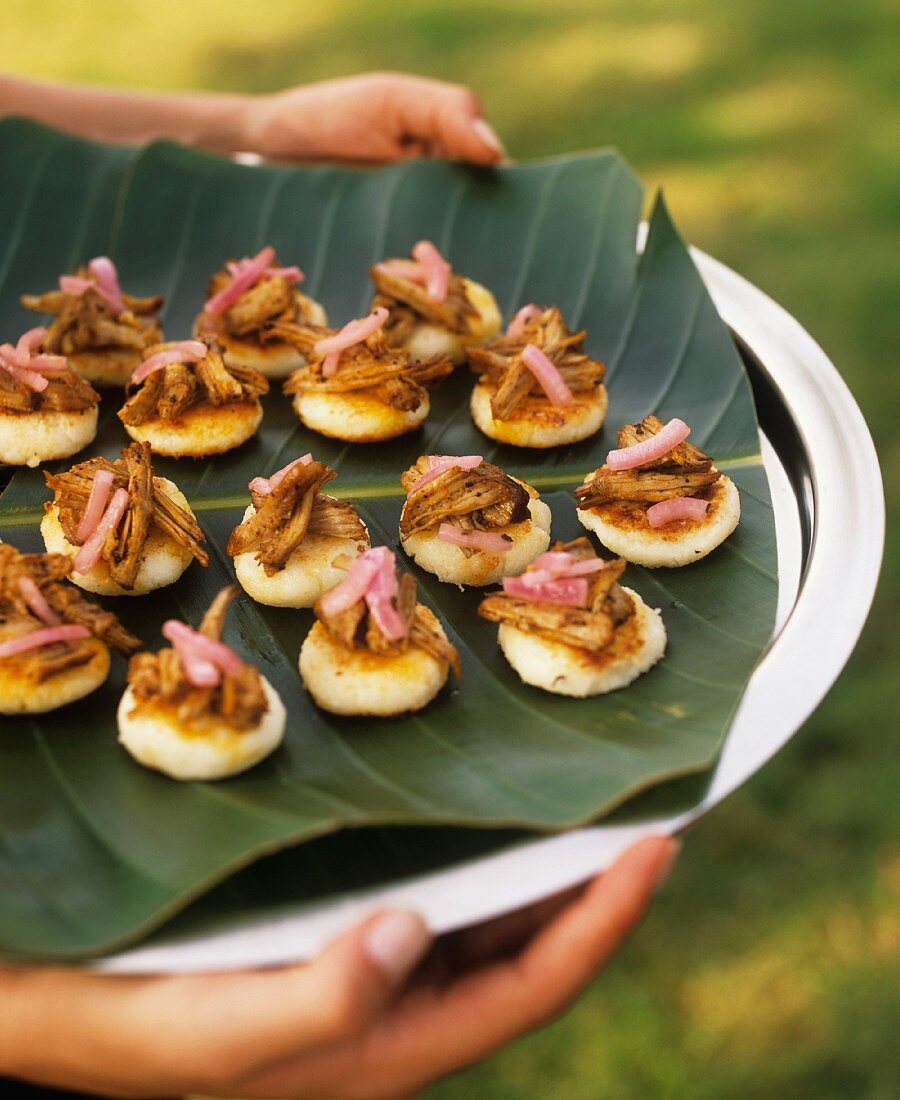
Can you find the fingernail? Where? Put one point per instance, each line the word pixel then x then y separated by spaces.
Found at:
pixel 396 942
pixel 488 135
pixel 666 863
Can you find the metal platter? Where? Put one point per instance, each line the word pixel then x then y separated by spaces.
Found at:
pixel 825 481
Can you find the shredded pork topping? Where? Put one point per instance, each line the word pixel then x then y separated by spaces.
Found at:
pixel 515 388
pixel 482 499
pixel 683 471
pixel 373 367
pixel 408 303
pixel 48 572
pixel 592 628
pixel 65 392
pixel 272 300
pixel 169 392
pixel 158 681
pixel 294 508
pixel 149 506
pixel 83 322
pixel 356 628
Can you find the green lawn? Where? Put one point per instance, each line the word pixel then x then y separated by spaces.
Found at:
pixel 771 964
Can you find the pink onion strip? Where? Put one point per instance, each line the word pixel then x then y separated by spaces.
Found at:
pixel 668 511
pixel 546 372
pixel 381 596
pixel 185 351
pixel 37 602
pixel 293 272
pixel 30 378
pixel 404 269
pixel 439 464
pixel 89 554
pixel 101 486
pixel 26 344
pixel 207 649
pixel 107 279
pixel 354 332
pixel 569 592
pixel 489 541
pixel 75 285
pixel 522 319
pixel 264 485
pixel 352 588
pixel 649 450
pixel 199 672
pixel 435 268
pixel 47 636
pixel 250 274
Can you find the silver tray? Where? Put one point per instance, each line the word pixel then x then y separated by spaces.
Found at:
pixel 825 482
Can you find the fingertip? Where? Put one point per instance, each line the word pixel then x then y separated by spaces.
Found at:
pixel 651 859
pixel 396 942
pixel 487 135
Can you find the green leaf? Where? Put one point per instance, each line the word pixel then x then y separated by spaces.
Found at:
pixel 95 850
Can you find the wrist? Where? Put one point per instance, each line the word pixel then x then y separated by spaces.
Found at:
pixel 13 1038
pixel 220 122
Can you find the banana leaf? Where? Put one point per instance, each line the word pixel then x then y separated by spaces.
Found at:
pixel 96 851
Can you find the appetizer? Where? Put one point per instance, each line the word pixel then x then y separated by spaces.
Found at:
pixel 373 649
pixel 295 542
pixel 432 310
pixel 356 386
pixel 197 710
pixel 46 410
pixel 99 329
pixel 536 386
pixel 243 300
pixel 568 626
pixel 54 645
pixel 468 522
pixel 185 402
pixel 125 531
pixel 658 500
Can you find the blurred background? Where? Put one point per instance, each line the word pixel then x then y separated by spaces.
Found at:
pixel 770 966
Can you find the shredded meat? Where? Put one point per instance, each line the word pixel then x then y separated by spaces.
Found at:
pixel 374 367
pixel 269 301
pixel 65 392
pixel 408 303
pixel 149 506
pixel 49 571
pixel 482 499
pixel 683 471
pixel 499 365
pixel 83 322
pixel 158 680
pixel 293 509
pixel 169 392
pixel 592 628
pixel 355 628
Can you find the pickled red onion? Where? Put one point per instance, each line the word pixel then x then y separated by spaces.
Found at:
pixel 524 317
pixel 26 344
pixel 89 554
pixel 439 464
pixel 184 351
pixel 37 602
pixel 668 511
pixel 403 269
pixel 354 332
pixel 649 450
pixel 204 649
pixel 489 541
pixel 31 378
pixel 381 596
pixel 352 588
pixel 47 636
pixel 551 566
pixel 250 274
pixel 547 373
pixel 435 268
pixel 100 489
pixel 75 284
pixel 264 485
pixel 107 280
pixel 293 272
pixel 568 591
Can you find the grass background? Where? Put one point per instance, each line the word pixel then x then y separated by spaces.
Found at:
pixel 770 966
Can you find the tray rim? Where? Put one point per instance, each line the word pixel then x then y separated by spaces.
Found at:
pixel 787 685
